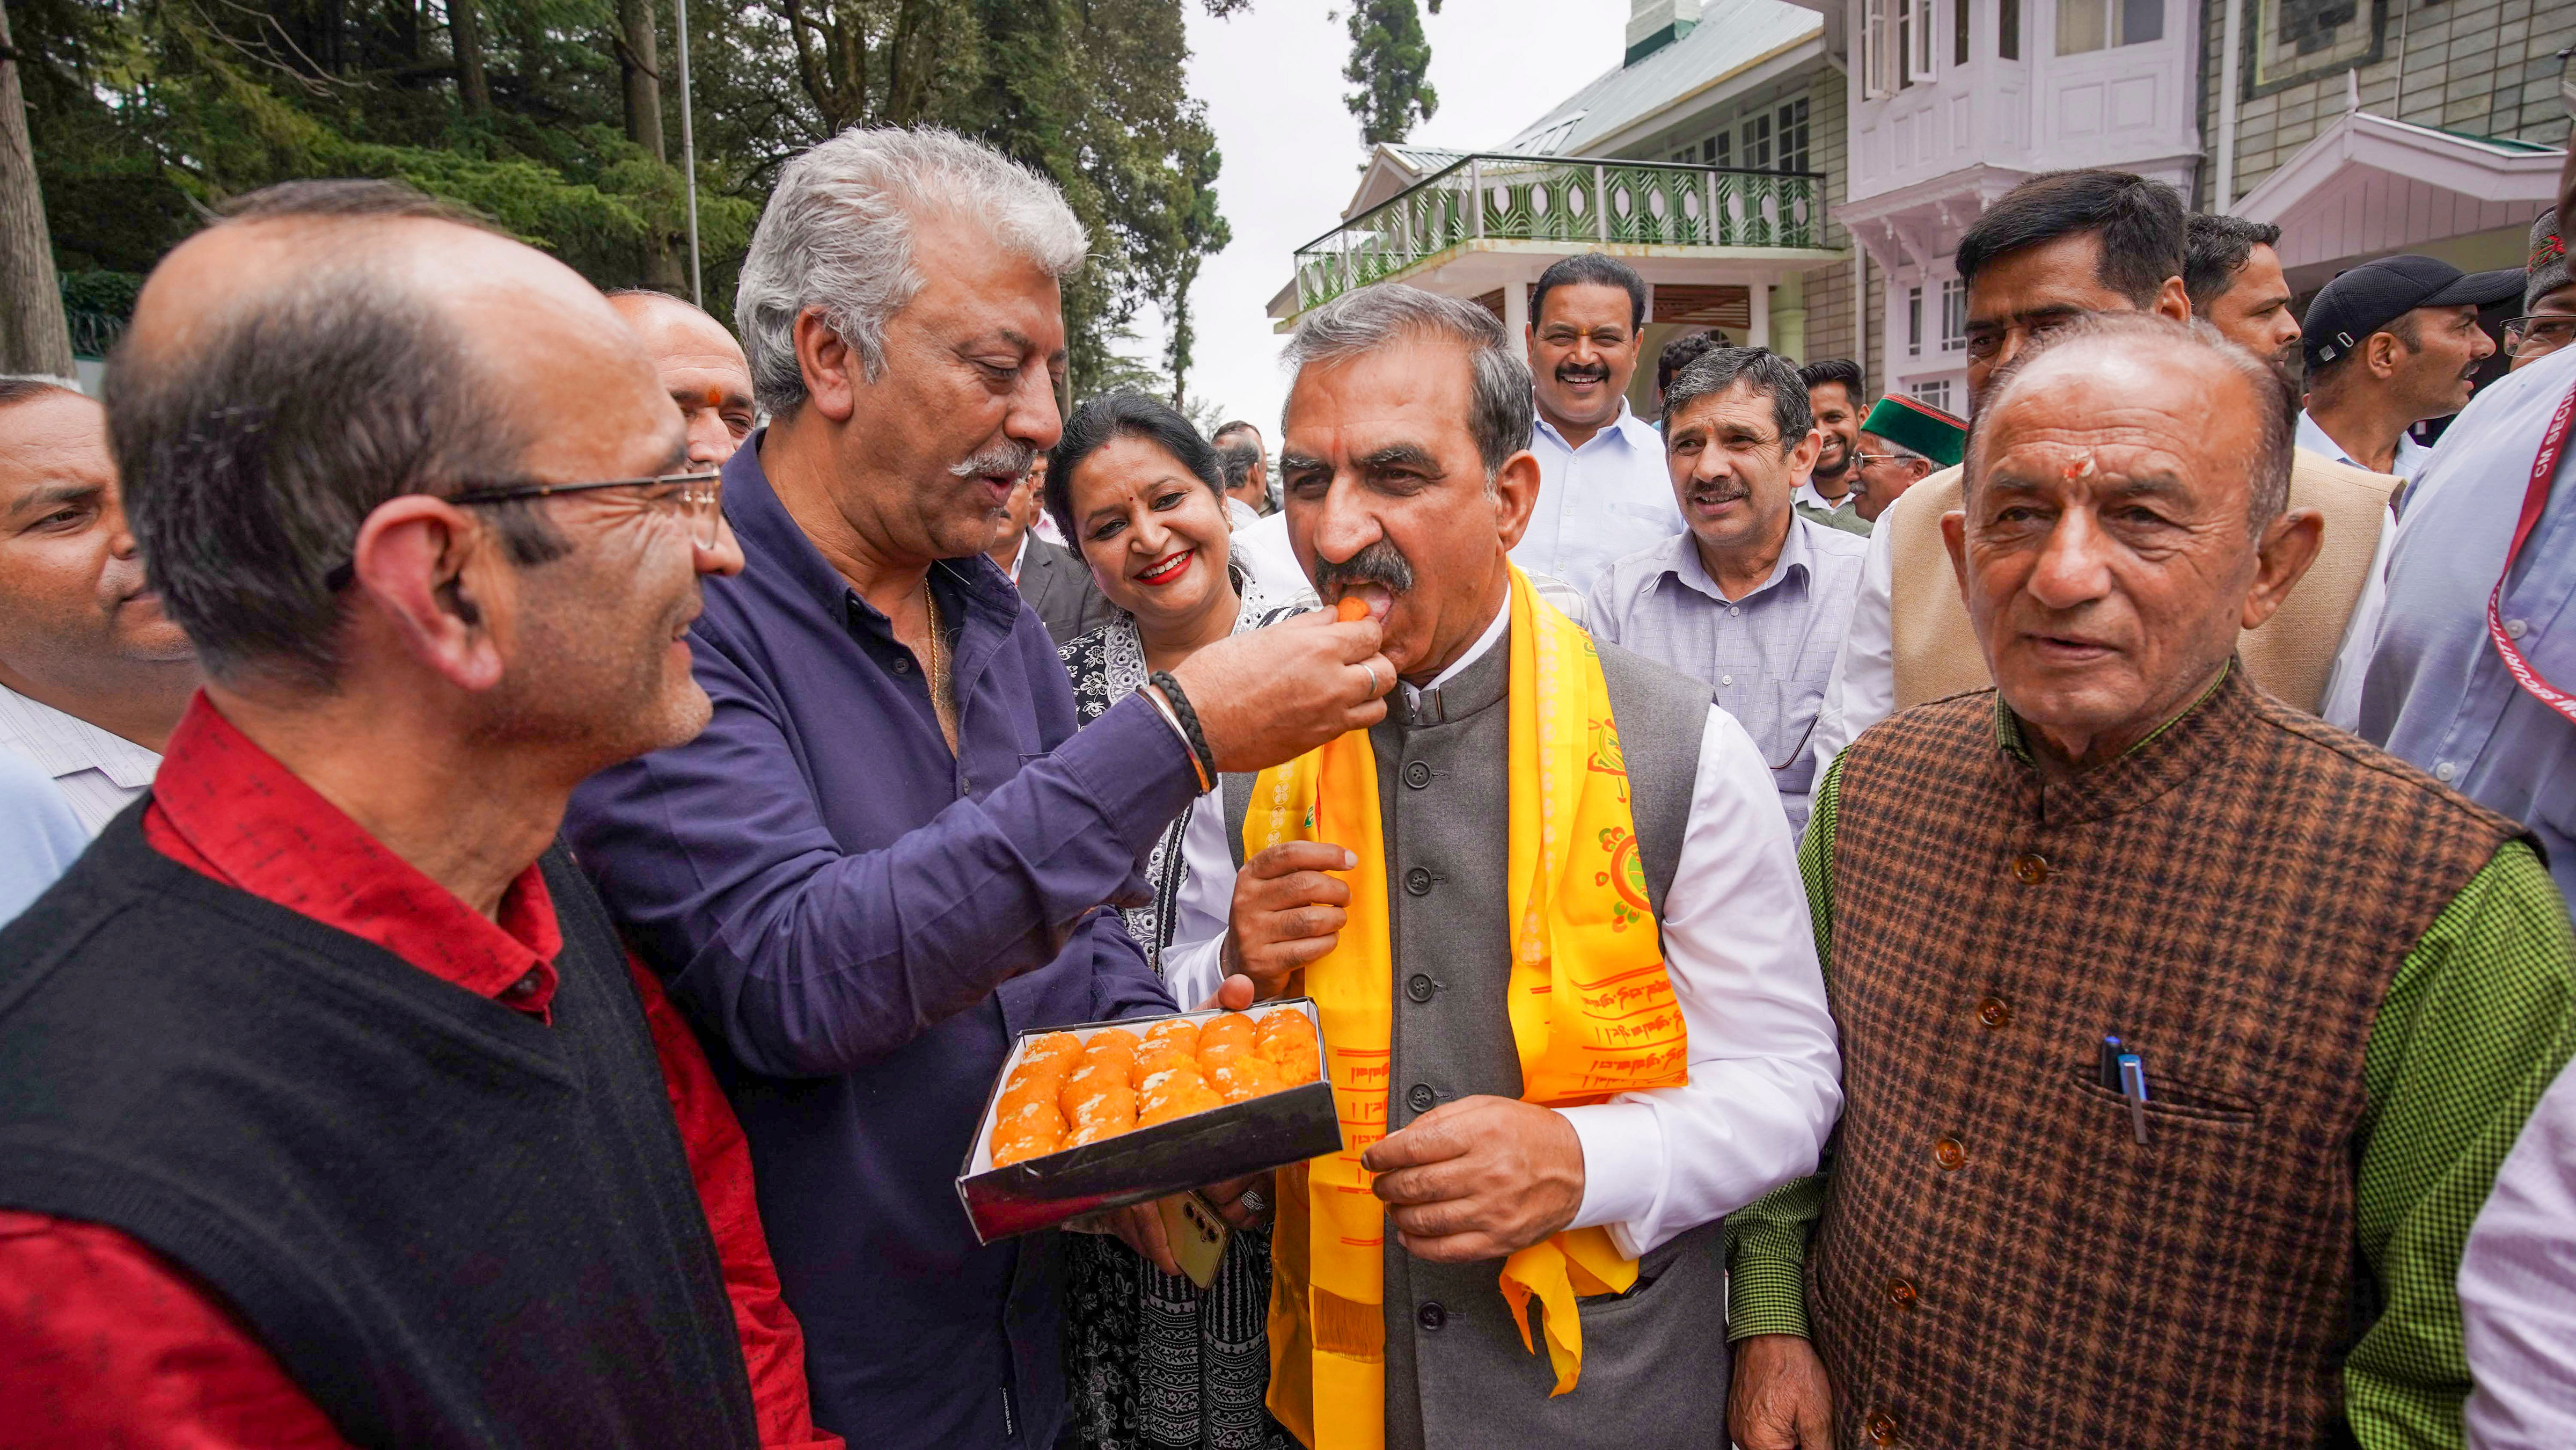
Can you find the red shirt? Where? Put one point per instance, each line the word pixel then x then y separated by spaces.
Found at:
pixel 105 1342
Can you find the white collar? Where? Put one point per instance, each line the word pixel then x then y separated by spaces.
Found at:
pixel 2314 438
pixel 64 744
pixel 1625 427
pixel 1020 555
pixel 1484 645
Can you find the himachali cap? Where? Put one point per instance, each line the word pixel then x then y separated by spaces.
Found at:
pixel 2371 296
pixel 1927 430
pixel 2547 268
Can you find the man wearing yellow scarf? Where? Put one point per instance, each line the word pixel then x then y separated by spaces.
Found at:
pixel 1550 913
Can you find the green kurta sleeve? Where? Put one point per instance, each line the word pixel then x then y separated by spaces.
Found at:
pixel 1766 1240
pixel 2476 1024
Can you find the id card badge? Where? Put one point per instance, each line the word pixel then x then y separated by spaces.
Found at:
pixel 1197 1236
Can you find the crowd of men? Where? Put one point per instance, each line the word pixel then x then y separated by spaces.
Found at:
pixel 532 825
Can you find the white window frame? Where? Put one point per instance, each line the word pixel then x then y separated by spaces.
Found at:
pixel 1914 322
pixel 1918 66
pixel 1954 315
pixel 1878 48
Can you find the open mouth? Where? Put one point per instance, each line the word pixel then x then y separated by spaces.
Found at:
pixel 1166 569
pixel 1376 597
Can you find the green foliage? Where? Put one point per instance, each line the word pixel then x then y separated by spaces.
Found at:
pixel 1389 58
pixel 148 113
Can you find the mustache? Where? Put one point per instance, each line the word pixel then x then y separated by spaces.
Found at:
pixel 1570 372
pixel 1009 458
pixel 1379 563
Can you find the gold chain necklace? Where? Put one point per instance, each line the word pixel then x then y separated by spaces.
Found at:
pixel 941 703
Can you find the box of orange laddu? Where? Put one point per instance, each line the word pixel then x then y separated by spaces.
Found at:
pixel 1105 1114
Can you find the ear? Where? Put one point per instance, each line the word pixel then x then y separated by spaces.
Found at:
pixel 2379 353
pixel 433 574
pixel 1954 537
pixel 2288 546
pixel 832 369
pixel 2173 300
pixel 1802 459
pixel 1515 495
pixel 1529 343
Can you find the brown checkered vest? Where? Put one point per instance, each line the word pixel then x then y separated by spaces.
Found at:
pixel 2000 1262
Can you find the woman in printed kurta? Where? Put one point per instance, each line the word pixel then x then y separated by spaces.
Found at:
pixel 1152 1362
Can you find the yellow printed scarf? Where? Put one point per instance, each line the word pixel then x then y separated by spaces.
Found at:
pixel 1592 1014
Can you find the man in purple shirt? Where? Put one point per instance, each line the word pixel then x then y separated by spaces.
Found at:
pixel 890 851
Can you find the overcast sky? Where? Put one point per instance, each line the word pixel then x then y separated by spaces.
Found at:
pixel 1272 82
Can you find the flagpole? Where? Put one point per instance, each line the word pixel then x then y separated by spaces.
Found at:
pixel 689 153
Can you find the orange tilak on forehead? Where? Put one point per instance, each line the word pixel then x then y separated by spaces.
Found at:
pixel 2084 468
pixel 715 397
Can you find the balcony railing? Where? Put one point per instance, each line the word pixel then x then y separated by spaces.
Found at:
pixel 1562 199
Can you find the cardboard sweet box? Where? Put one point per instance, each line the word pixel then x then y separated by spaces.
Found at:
pixel 1140 1165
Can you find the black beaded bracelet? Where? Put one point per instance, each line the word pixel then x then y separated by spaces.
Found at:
pixel 1162 680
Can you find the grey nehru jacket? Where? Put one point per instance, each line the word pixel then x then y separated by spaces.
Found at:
pixel 1654 1359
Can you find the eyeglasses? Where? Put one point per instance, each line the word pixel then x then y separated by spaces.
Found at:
pixel 695 497
pixel 2551 333
pixel 1872 460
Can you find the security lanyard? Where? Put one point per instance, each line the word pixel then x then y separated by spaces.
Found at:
pixel 2535 499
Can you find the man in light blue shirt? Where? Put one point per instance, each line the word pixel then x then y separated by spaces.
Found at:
pixel 1602 492
pixel 2437 691
pixel 1751 596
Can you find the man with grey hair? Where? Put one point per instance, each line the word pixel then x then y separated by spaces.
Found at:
pixel 2183 1032
pixel 1556 1095
pixel 890 851
pixel 1752 596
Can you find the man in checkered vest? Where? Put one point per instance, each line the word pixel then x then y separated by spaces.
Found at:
pixel 2182 1032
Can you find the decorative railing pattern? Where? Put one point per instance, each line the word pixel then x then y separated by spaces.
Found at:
pixel 1565 199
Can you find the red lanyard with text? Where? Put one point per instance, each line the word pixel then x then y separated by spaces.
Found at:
pixel 2535 499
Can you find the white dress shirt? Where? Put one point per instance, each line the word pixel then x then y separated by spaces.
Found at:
pixel 2410 454
pixel 99 773
pixel 1262 548
pixel 1765 1074
pixel 1599 503
pixel 1805 493
pixel 2518 1288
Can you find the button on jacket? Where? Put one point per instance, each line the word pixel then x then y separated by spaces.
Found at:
pixel 1598 503
pixel 858 922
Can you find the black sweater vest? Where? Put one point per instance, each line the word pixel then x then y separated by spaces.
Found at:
pixel 453 1224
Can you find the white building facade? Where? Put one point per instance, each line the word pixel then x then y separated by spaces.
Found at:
pixel 1710 160
pixel 1799 174
pixel 1955 102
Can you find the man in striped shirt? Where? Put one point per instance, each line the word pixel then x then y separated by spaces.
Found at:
pixel 92 676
